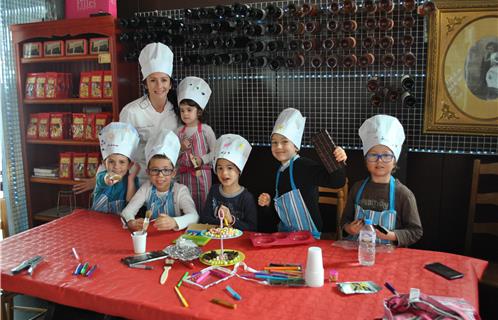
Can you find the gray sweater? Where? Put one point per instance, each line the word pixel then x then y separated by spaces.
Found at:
pixel 376 197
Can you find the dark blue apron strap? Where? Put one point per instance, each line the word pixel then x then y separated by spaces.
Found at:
pixel 391 193
pixel 170 201
pixel 277 180
pixel 360 191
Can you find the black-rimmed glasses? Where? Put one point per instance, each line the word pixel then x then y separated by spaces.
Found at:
pixel 374 157
pixel 156 171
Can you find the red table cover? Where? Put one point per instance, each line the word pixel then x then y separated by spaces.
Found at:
pixel 134 293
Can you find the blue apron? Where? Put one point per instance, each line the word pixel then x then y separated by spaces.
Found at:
pixel 157 206
pixel 386 218
pixel 291 209
pixel 111 199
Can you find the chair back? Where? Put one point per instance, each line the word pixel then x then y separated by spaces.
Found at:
pixel 337 197
pixel 478 198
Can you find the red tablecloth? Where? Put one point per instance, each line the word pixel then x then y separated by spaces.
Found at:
pixel 133 293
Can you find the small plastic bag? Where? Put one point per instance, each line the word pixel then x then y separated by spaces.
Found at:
pixel 358 287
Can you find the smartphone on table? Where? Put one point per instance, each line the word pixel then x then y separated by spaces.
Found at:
pixel 444 271
pixel 145 257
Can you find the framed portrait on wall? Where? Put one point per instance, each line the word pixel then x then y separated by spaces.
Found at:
pixel 462 68
pixel 76 47
pixel 53 48
pixel 99 45
pixel 32 50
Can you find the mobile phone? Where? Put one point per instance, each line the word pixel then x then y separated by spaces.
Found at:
pixel 443 271
pixel 381 228
pixel 145 257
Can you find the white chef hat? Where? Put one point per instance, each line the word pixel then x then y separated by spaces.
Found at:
pixel 233 148
pixel 166 143
pixel 382 129
pixel 290 124
pixel 118 137
pixel 156 57
pixel 195 89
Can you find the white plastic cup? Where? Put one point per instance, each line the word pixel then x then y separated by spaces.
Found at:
pixel 139 241
pixel 314 273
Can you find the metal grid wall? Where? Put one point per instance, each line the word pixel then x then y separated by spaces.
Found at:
pixel 247 100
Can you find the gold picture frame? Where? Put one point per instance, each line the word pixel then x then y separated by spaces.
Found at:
pixel 462 74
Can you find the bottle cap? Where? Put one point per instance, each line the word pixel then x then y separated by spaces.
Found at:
pixel 368 221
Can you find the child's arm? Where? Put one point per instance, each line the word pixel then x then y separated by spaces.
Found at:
pixel 410 230
pixel 211 141
pixel 132 188
pixel 249 214
pixel 131 209
pixel 207 214
pixel 186 207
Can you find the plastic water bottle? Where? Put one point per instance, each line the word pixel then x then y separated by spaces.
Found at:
pixel 366 246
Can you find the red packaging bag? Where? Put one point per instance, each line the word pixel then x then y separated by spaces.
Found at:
pixel 43 125
pixel 30 92
pixel 92 164
pixel 65 165
pixel 107 84
pixel 32 131
pixel 90 127
pixel 101 120
pixel 78 126
pixel 96 85
pixel 79 165
pixel 85 85
pixel 41 79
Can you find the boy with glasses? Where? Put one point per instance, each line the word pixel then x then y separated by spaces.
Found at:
pixel 171 204
pixel 381 197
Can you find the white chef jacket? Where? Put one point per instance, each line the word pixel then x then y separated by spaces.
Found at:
pixel 148 122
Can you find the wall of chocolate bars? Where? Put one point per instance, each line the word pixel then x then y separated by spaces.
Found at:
pixel 338 62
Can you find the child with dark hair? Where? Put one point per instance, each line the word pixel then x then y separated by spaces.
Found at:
pixel 197 139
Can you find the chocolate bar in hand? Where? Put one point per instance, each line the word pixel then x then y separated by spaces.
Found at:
pixel 324 146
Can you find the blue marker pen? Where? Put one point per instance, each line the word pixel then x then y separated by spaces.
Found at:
pixel 391 288
pixel 78 269
pixel 91 271
pixel 233 293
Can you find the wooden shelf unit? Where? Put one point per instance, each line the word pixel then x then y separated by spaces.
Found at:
pixel 42 193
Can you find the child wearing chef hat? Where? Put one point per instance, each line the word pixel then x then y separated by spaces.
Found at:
pixel 171 205
pixel 381 197
pixel 229 201
pixel 197 139
pixel 298 178
pixel 117 184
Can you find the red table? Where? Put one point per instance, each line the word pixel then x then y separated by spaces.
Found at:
pixel 134 293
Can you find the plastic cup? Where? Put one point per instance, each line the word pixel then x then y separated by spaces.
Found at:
pixel 139 241
pixel 314 272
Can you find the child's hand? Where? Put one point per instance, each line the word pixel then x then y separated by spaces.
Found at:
pixel 391 236
pixel 165 222
pixel 186 144
pixel 135 224
pixel 134 170
pixel 354 227
pixel 226 214
pixel 264 199
pixel 340 154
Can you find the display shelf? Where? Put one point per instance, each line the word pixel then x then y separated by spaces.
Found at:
pixel 67 101
pixel 60 59
pixel 63 142
pixel 65 182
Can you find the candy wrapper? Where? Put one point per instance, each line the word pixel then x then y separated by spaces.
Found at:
pixel 358 287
